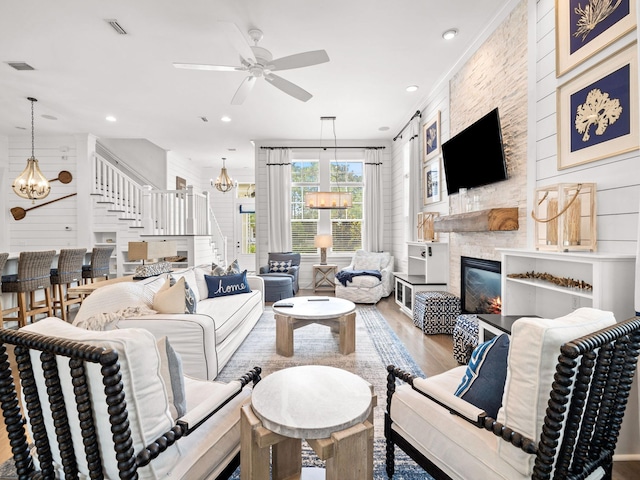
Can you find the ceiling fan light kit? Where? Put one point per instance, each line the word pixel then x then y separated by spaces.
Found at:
pixel 31 183
pixel 259 62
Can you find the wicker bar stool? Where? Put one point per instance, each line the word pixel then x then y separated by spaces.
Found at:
pixel 3 261
pixel 69 271
pixel 99 266
pixel 34 273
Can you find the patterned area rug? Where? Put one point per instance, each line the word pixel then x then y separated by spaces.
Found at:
pixel 376 347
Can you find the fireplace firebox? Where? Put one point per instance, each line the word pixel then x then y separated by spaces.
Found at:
pixel 480 289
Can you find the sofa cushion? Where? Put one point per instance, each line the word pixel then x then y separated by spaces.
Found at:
pixel 221 286
pixel 362 281
pixel 483 382
pixel 367 262
pixel 282 266
pixel 533 354
pixel 148 407
pixel 230 311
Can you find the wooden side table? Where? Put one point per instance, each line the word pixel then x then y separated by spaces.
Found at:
pixel 324 277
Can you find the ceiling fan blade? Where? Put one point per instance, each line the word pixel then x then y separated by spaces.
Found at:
pixel 239 41
pixel 217 68
pixel 287 87
pixel 298 60
pixel 243 90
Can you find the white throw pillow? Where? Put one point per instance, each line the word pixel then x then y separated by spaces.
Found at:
pixel 111 298
pixel 367 261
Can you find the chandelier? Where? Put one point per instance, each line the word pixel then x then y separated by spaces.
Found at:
pixel 224 183
pixel 329 200
pixel 31 183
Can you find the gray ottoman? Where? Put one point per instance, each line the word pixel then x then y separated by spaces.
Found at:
pixel 277 288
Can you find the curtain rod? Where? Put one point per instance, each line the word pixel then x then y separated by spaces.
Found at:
pixel 324 148
pixel 417 114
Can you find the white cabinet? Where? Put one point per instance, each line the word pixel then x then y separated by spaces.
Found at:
pixel 427 270
pixel 611 275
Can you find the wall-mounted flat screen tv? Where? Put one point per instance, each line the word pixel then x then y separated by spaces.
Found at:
pixel 475 156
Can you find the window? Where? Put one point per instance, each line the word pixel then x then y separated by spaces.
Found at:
pixel 312 175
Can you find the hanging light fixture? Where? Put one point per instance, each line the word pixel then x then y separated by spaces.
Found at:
pixel 224 183
pixel 31 183
pixel 329 200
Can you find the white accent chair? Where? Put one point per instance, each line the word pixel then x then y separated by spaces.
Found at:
pixel 367 288
pixel 105 408
pixel 567 385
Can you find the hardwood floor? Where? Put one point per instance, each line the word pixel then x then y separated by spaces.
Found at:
pixel 433 353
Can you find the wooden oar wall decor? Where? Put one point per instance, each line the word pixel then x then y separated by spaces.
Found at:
pixel 19 213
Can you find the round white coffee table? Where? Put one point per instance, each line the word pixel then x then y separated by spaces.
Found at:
pixel 328 407
pixel 337 313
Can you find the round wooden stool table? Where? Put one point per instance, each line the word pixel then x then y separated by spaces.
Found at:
pixel 330 408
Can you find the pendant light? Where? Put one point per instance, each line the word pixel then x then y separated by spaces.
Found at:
pixel 224 183
pixel 31 183
pixel 329 200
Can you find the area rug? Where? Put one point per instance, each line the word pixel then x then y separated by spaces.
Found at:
pixel 376 347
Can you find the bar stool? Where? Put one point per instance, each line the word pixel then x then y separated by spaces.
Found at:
pixel 69 271
pixel 34 273
pixel 99 266
pixel 3 261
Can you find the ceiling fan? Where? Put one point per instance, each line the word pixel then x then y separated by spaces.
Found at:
pixel 259 62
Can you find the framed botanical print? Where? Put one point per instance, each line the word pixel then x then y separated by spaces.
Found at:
pixel 584 27
pixel 431 179
pixel 431 138
pixel 598 111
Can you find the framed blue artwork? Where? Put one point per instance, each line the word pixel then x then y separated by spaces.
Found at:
pixel 431 138
pixel 584 27
pixel 598 111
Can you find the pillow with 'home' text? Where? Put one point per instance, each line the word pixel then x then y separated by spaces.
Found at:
pixel 220 286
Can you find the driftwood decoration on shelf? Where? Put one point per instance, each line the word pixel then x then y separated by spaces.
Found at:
pixel 560 281
pixel 19 213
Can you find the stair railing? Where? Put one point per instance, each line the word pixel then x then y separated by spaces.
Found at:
pixel 118 188
pixel 175 212
pixel 218 239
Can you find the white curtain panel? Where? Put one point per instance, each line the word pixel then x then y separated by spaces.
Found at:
pixel 415 175
pixel 373 204
pixel 279 208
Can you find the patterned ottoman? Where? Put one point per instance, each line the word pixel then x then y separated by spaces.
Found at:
pixel 465 337
pixel 436 312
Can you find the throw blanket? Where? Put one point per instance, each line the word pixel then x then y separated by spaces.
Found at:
pixel 109 320
pixel 345 276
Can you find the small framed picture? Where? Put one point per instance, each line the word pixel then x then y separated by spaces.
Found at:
pixel 598 111
pixel 431 138
pixel 431 181
pixel 584 27
pixel 181 183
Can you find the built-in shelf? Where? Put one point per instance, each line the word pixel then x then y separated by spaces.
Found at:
pixel 491 220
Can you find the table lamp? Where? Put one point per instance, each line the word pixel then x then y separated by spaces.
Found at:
pixel 323 242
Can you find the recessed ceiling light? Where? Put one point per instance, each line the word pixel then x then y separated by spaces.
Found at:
pixel 226 119
pixel 110 118
pixel 383 129
pixel 449 34
pixel 412 88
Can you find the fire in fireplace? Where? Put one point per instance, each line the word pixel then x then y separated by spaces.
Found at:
pixel 480 289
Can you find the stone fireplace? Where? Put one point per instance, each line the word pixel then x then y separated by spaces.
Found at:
pixel 480 285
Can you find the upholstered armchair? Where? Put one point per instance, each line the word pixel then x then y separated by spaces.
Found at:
pixel 115 405
pixel 366 288
pixel 277 267
pixel 558 413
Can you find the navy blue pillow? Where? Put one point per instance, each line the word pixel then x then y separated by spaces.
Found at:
pixel 483 381
pixel 227 284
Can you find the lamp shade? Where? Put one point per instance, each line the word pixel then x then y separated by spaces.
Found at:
pixel 323 241
pixel 328 200
pixel 152 250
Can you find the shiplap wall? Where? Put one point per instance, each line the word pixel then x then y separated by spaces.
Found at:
pixel 52 226
pixel 617 178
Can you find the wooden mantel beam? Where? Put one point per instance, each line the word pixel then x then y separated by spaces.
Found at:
pixel 491 220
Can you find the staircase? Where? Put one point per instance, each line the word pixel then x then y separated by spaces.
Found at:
pixel 125 211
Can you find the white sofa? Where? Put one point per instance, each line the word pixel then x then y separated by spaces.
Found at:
pixel 205 339
pixel 367 288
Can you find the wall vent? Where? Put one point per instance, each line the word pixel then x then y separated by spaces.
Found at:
pixel 115 25
pixel 20 65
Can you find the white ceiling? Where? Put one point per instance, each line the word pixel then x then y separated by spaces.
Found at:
pixel 85 71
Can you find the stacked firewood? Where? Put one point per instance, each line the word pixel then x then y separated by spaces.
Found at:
pixel 560 281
